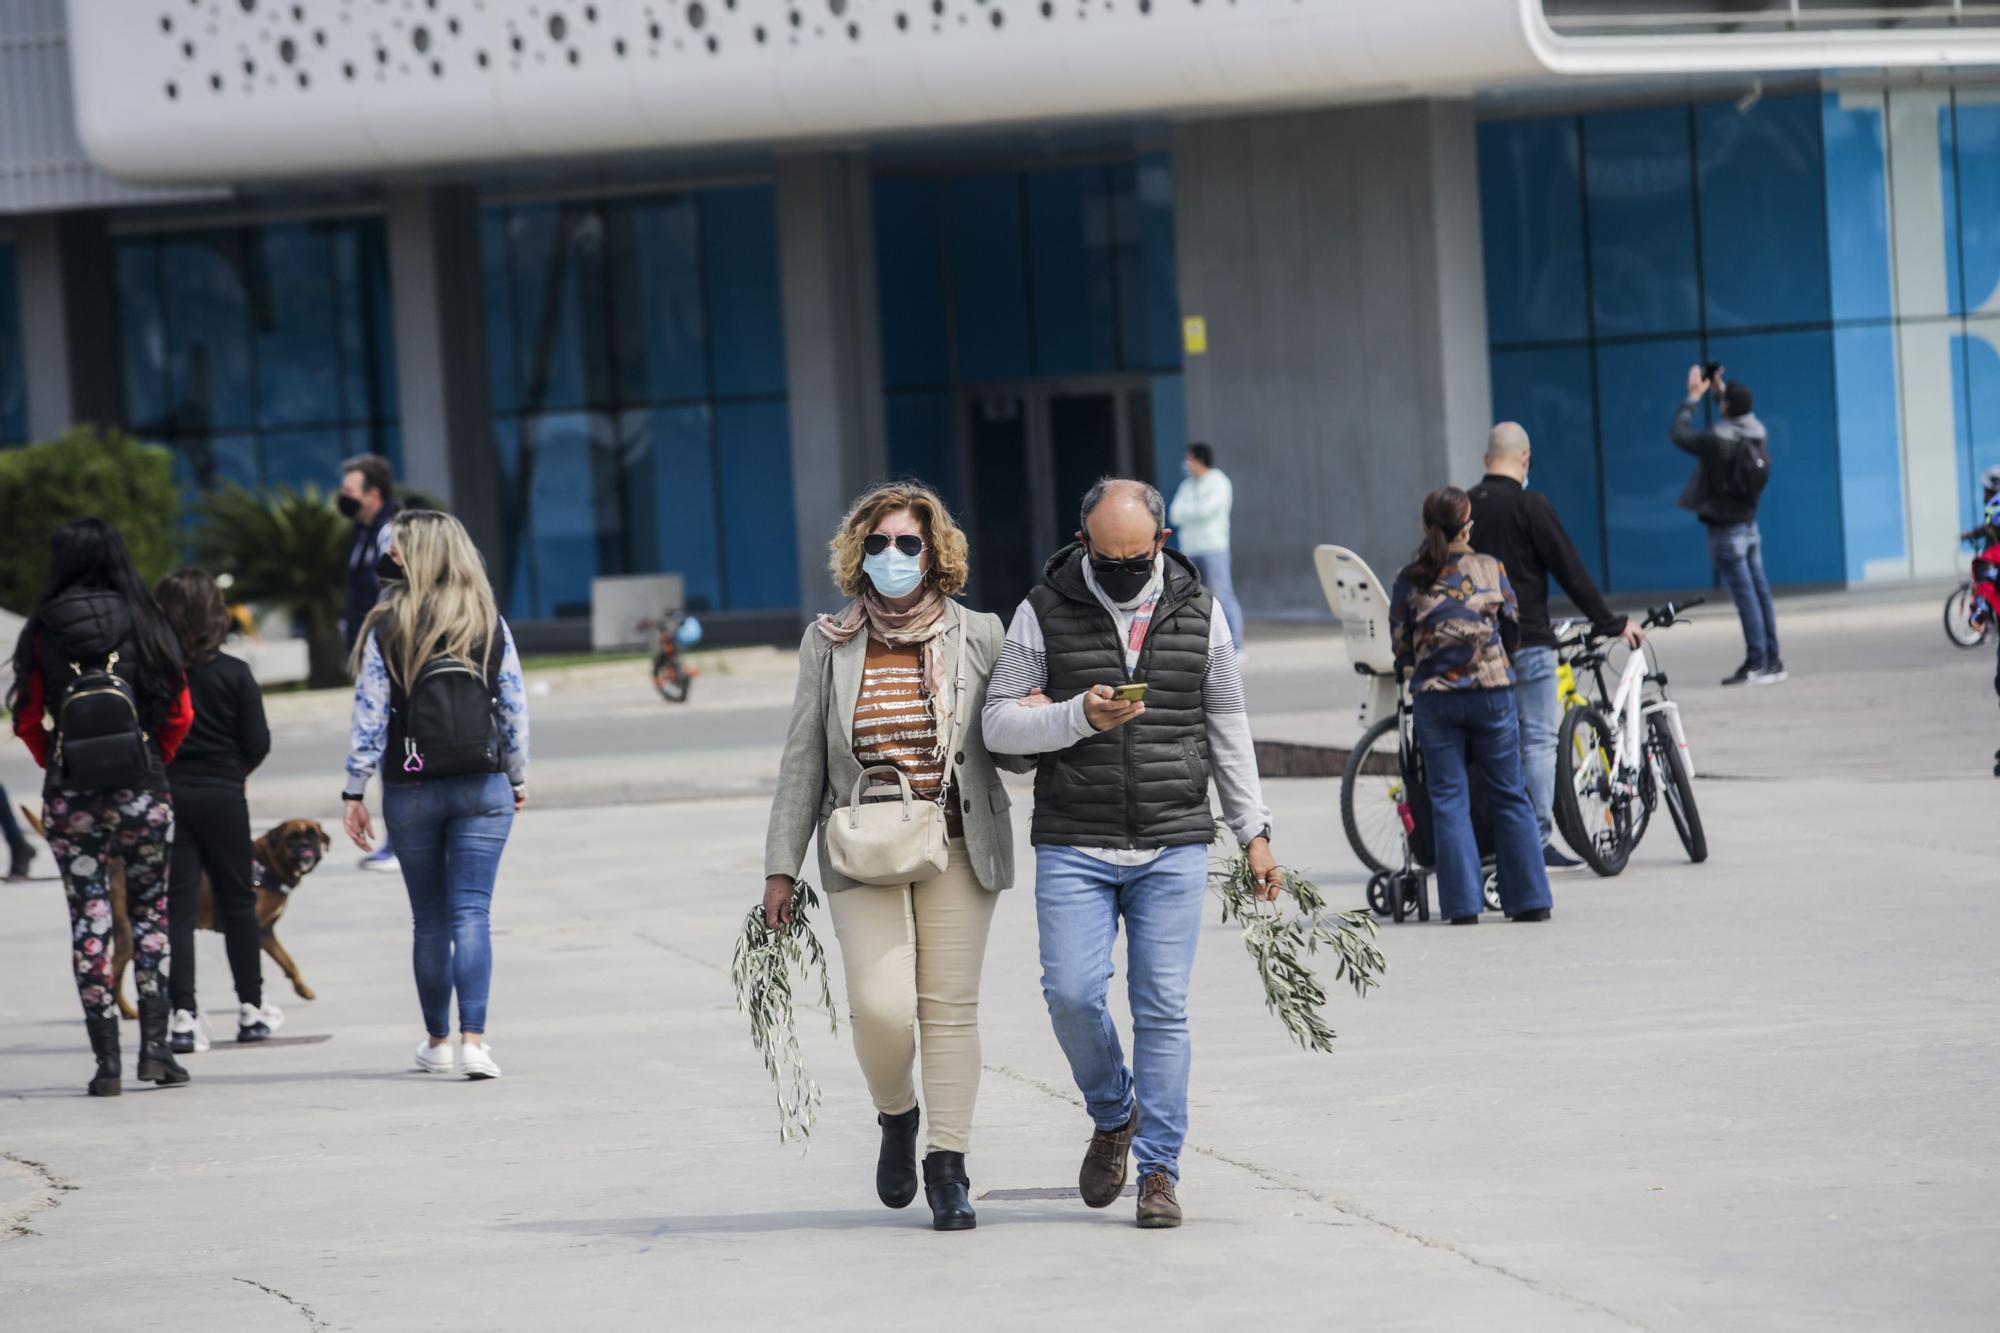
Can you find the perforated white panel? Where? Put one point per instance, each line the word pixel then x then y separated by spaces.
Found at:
pixel 226 89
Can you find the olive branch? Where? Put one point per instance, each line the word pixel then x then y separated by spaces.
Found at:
pixel 1281 944
pixel 762 971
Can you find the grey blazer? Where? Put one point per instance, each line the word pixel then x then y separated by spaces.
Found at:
pixel 819 768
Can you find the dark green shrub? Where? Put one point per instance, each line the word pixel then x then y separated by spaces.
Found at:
pixel 283 549
pixel 89 472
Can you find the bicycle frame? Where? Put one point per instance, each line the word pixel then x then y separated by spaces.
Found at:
pixel 1629 710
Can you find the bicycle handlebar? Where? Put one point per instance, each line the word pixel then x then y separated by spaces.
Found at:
pixel 1661 617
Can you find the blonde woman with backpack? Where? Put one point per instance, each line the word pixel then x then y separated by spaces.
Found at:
pixel 440 713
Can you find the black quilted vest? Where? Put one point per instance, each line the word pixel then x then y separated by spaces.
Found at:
pixel 1144 784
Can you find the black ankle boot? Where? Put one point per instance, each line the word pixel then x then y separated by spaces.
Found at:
pixel 156 1057
pixel 104 1045
pixel 896 1168
pixel 947 1188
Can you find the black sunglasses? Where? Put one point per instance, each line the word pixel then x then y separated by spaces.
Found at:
pixel 877 542
pixel 1138 564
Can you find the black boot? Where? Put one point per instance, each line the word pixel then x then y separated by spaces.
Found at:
pixel 104 1045
pixel 946 1186
pixel 896 1168
pixel 156 1057
pixel 19 857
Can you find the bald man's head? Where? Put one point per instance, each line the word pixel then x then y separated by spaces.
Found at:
pixel 1123 518
pixel 1507 451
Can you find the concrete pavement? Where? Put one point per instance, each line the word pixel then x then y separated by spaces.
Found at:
pixel 1755 1094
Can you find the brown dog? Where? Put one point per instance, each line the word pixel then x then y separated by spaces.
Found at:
pixel 278 861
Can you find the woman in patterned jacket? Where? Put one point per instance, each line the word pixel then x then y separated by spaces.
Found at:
pixel 449 829
pixel 1452 622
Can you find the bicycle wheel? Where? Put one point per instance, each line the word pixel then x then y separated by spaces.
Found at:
pixel 669 680
pixel 1677 788
pixel 1371 786
pixel 1965 620
pixel 1597 818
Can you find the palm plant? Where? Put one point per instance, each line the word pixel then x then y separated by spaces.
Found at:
pixel 285 549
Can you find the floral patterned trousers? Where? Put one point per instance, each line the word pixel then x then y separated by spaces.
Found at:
pixel 87 831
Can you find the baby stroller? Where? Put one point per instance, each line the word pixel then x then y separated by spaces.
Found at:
pixel 1400 893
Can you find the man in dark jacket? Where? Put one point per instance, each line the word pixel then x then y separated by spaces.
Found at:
pixel 1730 516
pixel 1519 528
pixel 368 496
pixel 1122 820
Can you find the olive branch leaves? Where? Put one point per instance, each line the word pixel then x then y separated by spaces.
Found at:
pixel 762 970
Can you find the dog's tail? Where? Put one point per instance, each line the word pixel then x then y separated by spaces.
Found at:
pixel 34 822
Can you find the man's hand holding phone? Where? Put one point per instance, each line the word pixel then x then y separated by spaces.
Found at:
pixel 1104 708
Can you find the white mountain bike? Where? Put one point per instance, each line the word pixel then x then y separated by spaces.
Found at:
pixel 1615 764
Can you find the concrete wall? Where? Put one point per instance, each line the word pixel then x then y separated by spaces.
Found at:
pixel 1335 256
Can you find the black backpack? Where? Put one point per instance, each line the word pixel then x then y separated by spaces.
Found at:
pixel 451 720
pixel 1748 469
pixel 100 741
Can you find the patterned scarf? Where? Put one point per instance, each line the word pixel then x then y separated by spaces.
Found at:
pixel 923 622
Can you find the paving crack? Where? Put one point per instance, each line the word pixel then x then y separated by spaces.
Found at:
pixel 312 1320
pixel 1349 1208
pixel 48 1193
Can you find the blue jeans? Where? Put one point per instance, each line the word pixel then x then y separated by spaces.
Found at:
pixel 1738 552
pixel 1078 900
pixel 1214 567
pixel 449 834
pixel 1541 713
pixel 1454 726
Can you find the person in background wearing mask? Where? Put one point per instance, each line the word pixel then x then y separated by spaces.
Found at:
pixel 898 678
pixel 1520 528
pixel 368 497
pixel 1122 818
pixel 1200 514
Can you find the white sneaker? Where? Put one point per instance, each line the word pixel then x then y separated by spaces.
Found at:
pixel 476 1061
pixel 382 862
pixel 436 1059
pixel 274 1017
pixel 186 1023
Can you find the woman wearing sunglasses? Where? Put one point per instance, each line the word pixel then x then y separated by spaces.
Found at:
pixel 897 678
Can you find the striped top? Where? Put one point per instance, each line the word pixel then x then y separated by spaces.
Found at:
pixel 894 724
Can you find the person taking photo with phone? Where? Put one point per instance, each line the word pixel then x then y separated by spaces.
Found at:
pixel 1732 465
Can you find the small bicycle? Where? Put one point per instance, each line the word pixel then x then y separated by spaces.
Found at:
pixel 1615 766
pixel 678 632
pixel 1973 608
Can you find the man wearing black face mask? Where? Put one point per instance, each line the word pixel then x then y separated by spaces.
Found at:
pixel 367 496
pixel 1122 819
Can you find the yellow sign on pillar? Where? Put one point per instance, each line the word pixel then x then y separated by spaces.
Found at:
pixel 1194 335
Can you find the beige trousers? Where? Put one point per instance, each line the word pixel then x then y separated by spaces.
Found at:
pixel 912 954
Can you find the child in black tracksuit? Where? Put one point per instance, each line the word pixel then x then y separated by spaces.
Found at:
pixel 212 816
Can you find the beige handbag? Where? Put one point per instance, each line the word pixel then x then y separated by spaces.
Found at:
pixel 888 842
pixel 897 841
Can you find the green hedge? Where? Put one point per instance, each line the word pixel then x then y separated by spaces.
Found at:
pixel 89 472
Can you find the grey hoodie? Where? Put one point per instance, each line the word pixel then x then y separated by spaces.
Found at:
pixel 1707 492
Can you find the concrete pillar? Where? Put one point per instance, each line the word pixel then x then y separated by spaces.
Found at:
pixel 833 350
pixel 1335 257
pixel 69 321
pixel 439 309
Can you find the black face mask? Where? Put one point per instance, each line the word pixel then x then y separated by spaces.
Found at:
pixel 386 568
pixel 348 506
pixel 1122 580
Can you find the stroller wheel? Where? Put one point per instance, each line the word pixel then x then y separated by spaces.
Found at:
pixel 1378 891
pixel 1490 885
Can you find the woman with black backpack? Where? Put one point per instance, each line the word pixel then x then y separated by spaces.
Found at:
pixel 440 711
pixel 101 701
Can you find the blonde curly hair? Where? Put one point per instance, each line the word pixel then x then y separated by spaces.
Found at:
pixel 948 571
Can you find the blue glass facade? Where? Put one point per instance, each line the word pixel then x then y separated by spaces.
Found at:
pixel 1013 276
pixel 13 378
pixel 1838 252
pixel 636 349
pixel 262 354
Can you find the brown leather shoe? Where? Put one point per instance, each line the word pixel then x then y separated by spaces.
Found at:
pixel 1157 1205
pixel 1106 1162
